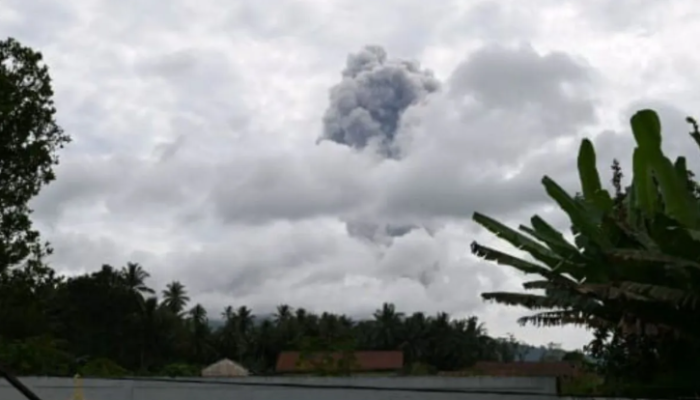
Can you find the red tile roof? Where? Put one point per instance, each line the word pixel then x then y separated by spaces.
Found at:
pixel 366 361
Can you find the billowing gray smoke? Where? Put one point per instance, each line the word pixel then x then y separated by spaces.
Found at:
pixel 375 232
pixel 366 106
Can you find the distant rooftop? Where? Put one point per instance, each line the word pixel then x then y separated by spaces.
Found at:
pixel 366 361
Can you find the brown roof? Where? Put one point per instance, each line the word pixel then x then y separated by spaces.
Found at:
pixel 553 368
pixel 366 361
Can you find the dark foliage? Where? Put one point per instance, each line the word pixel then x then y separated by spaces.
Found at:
pixel 113 315
pixel 29 138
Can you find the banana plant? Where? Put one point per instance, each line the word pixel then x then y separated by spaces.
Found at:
pixel 650 164
pixel 642 269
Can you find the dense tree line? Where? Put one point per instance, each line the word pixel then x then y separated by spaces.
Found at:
pixel 112 318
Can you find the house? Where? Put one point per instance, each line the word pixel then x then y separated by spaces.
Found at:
pixel 363 362
pixel 560 369
pixel 224 369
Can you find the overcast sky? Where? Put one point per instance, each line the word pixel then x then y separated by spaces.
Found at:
pixel 261 153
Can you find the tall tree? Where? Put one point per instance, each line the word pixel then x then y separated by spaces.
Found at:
pixel 175 297
pixel 283 314
pixel 149 323
pixel 388 322
pixel 29 140
pixel 135 278
pixel 200 332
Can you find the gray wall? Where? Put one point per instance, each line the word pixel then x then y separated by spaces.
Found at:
pixel 101 389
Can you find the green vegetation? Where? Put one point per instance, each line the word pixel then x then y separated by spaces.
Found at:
pixel 632 272
pixel 110 323
pixel 324 363
pixel 30 138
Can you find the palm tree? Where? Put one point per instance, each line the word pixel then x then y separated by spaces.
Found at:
pixel 200 331
pixel 244 324
pixel 228 314
pixel 388 326
pixel 301 323
pixel 416 334
pixel 244 319
pixel 198 315
pixel 149 323
pixel 346 322
pixel 135 277
pixel 175 297
pixel 300 314
pixel 442 344
pixel 109 276
pixel 228 338
pixel 264 348
pixel 329 327
pixel 283 314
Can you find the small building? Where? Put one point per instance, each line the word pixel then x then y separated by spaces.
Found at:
pixel 363 362
pixel 224 369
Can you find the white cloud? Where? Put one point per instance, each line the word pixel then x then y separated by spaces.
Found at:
pixel 195 128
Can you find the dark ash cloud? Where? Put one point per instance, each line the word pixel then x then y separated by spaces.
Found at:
pixel 367 105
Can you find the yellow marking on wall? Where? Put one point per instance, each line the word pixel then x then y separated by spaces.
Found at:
pixel 77 388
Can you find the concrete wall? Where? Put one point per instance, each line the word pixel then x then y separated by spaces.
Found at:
pixel 215 389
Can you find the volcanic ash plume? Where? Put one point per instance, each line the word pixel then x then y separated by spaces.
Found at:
pixel 366 106
pixel 376 232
